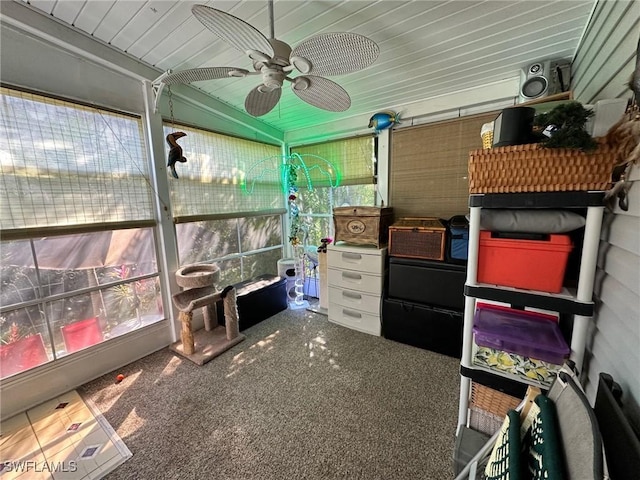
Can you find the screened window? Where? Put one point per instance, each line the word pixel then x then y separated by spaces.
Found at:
pixel 65 164
pixel 429 167
pixel 78 260
pixel 219 219
pixel 354 160
pixel 211 179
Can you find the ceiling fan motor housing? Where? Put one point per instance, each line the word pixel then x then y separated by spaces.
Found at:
pixel 272 77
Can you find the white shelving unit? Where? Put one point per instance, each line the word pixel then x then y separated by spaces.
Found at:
pixel 355 280
pixel 577 303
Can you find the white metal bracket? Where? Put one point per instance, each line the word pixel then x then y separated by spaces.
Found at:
pixel 157 86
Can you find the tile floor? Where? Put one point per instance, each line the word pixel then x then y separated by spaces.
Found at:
pixel 62 439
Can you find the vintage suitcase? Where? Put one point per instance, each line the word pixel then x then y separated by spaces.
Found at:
pixel 362 225
pixel 415 237
pixel 427 282
pixel 435 329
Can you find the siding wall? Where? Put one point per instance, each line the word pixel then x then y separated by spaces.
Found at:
pixel 601 70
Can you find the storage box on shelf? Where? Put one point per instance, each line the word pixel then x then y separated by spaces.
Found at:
pixel 530 261
pixel 533 168
pixel 355 279
pixel 488 407
pixel 362 225
pixel 577 304
pixel 413 237
pixel 524 344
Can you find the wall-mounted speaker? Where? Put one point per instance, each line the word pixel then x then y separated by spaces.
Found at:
pixel 545 78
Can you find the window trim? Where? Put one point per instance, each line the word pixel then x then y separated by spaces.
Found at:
pixel 227 216
pixel 35 232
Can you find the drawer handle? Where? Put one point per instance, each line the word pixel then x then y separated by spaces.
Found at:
pixel 351 313
pixel 355 296
pixel 352 276
pixel 351 256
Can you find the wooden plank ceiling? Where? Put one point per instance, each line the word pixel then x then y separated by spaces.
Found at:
pixel 427 48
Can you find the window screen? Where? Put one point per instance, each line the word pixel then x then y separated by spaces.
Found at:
pixel 210 181
pixel 352 157
pixel 354 160
pixel 429 167
pixel 64 164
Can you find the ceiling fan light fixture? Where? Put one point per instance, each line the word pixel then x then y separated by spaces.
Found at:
pixel 302 64
pixel 258 56
pixel 272 77
pixel 238 73
pixel 300 83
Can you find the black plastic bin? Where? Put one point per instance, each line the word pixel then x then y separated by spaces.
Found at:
pixel 258 299
pixel 435 329
pixel 428 282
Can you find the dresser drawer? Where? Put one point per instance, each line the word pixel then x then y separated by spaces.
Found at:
pixel 363 282
pixel 355 260
pixel 354 319
pixel 352 299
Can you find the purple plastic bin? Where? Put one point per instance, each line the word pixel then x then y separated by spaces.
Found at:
pixel 525 333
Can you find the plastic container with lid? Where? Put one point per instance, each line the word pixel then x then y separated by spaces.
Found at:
pixel 530 334
pixel 533 261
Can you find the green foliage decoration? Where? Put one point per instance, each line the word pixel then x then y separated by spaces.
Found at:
pixel 566 123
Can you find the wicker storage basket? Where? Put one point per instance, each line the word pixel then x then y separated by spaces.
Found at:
pixel 488 407
pixel 484 422
pixel 533 168
pixel 415 237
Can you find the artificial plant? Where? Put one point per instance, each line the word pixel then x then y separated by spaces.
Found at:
pixel 564 127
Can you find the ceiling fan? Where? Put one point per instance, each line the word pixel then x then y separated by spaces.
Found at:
pixel 322 55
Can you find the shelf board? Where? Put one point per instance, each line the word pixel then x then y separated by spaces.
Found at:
pixel 513 385
pixel 578 199
pixel 563 302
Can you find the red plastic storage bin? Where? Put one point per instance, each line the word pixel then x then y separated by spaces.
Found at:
pixel 523 263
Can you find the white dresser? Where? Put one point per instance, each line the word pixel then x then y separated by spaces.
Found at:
pixel 355 279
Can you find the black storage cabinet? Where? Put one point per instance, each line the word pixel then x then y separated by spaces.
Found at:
pixel 431 328
pixel 427 282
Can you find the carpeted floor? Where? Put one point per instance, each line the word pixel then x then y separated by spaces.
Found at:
pixel 300 398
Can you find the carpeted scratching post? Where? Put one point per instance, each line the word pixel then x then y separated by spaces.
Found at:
pixel 231 312
pixel 207 343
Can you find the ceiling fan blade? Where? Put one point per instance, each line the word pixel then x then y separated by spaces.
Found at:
pixel 321 92
pixel 237 33
pixel 336 53
pixel 201 74
pixel 261 101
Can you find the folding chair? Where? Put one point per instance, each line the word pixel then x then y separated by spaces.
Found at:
pixel 21 355
pixel 577 431
pixel 82 334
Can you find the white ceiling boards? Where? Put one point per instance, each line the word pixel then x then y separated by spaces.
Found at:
pixel 429 50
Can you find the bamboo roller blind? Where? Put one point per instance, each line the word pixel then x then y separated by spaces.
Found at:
pixel 428 167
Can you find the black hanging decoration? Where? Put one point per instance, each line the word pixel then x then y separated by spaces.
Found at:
pixel 175 150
